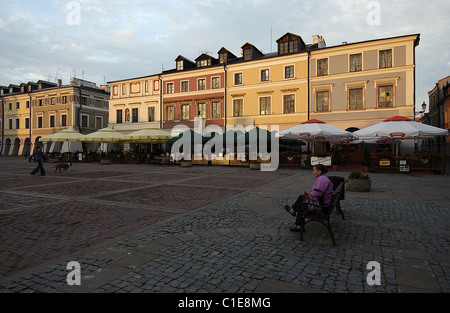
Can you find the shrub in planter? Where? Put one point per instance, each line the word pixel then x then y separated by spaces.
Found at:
pixel 336 156
pixel 358 182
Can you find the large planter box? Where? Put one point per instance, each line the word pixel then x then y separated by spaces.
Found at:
pixel 358 185
pixel 186 163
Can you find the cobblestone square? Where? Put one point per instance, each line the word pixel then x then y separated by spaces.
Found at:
pixel 219 229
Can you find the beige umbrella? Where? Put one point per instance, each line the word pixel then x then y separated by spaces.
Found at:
pixel 149 135
pixel 64 135
pixel 105 135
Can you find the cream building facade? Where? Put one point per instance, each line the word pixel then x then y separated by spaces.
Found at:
pixel 135 104
pixel 356 85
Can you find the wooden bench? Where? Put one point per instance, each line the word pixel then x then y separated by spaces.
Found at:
pixel 324 217
pixel 336 181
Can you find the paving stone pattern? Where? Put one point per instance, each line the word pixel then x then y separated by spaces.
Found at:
pixel 157 229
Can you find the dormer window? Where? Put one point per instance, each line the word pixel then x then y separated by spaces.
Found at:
pixel 290 43
pixel 225 56
pixel 180 65
pixel 183 63
pixel 248 54
pixel 205 60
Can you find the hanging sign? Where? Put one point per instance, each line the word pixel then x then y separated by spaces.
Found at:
pixel 321 160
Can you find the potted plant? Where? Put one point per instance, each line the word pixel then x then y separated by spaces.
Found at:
pixel 366 158
pixel 359 182
pixel 335 158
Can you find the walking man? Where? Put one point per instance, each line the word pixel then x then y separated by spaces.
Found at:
pixel 39 156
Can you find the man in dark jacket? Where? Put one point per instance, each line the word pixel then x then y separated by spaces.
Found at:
pixel 39 156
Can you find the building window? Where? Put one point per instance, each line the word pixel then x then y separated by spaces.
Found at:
pixel 85 121
pixel 215 83
pixel 238 107
pixel 169 88
pixel 10 106
pixel 355 98
pixel 40 122
pixel 10 123
pixel 27 104
pixel 185 112
pixel 17 105
pixel 289 104
pixel 323 101
pixel 17 123
pixel 265 106
pixel 201 110
pixel 151 114
pixel 248 54
pixel 289 72
pixel 289 47
pixel 238 79
pixel 63 120
pixel 98 122
pixel 204 63
pixel 119 116
pixel 322 67
pixel 264 75
pixel 64 99
pixel 180 65
pixel 385 96
pixel 217 109
pixel 27 123
pixel 170 113
pixel 185 86
pixel 385 58
pixel 201 84
pixel 53 101
pixel 41 102
pixel 223 58
pixel 135 114
pixel 52 121
pixel 355 63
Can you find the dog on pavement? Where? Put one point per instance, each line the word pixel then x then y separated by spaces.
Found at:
pixel 63 166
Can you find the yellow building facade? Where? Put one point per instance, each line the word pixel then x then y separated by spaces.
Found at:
pixel 36 110
pixel 270 89
pixel 360 84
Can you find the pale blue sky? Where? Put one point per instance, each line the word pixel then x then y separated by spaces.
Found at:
pixel 124 39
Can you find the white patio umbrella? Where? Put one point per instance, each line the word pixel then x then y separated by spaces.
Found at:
pixel 70 138
pixel 64 135
pixel 105 135
pixel 149 135
pixel 315 130
pixel 399 127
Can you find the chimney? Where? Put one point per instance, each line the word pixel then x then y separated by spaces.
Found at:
pixel 58 83
pixel 317 39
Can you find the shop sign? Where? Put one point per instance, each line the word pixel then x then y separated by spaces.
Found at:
pixel 321 160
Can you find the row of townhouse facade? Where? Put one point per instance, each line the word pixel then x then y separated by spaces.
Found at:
pixel 350 86
pixel 438 115
pixel 34 110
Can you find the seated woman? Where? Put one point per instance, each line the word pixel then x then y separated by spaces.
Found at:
pixel 321 193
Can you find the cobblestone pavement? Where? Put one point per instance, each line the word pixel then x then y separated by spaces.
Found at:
pixel 167 229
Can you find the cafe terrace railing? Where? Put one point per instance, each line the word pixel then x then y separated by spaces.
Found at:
pixel 422 162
